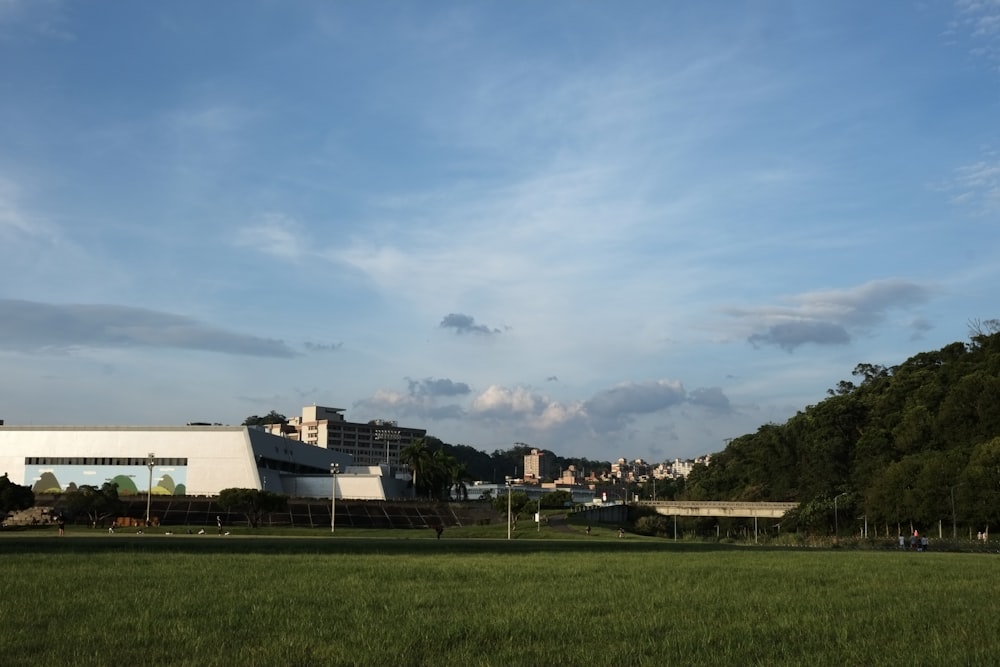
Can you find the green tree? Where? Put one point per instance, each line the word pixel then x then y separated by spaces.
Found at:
pixel 458 477
pixel 905 442
pixel 416 456
pixel 14 497
pixel 979 495
pixel 556 499
pixel 97 503
pixel 252 503
pixel 271 417
pixel 518 501
pixel 438 474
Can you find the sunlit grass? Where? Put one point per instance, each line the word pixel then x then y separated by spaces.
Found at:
pixel 210 600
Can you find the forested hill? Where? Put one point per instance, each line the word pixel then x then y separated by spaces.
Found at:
pixel 918 442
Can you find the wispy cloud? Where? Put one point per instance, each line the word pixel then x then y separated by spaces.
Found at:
pixel 42 327
pixel 14 219
pixel 276 234
pixel 38 18
pixel 977 186
pixel 979 21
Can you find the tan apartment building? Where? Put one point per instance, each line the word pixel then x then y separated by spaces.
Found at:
pixel 536 465
pixel 371 443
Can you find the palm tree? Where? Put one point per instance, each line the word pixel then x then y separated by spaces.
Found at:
pixel 439 478
pixel 417 457
pixel 459 475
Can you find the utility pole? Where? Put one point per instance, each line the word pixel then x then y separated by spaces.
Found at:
pixel 149 494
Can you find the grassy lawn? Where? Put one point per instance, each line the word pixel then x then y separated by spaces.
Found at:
pixel 405 598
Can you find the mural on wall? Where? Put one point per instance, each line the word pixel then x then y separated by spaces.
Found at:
pixel 131 480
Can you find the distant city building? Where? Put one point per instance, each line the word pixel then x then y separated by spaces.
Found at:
pixel 641 471
pixel 372 443
pixel 536 465
pixel 569 476
pixel 681 468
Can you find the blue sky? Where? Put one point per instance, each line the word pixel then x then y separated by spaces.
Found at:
pixel 611 230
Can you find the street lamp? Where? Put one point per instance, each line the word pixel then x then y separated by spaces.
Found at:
pixel 388 435
pixel 510 490
pixel 836 524
pixel 151 461
pixel 260 474
pixel 334 471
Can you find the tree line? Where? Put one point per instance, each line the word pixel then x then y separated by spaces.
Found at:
pixel 913 445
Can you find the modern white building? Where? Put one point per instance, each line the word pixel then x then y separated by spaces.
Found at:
pixel 184 460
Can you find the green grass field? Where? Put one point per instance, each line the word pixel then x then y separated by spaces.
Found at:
pixel 404 598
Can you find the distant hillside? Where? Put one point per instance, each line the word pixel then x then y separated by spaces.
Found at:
pixel 906 444
pixel 502 462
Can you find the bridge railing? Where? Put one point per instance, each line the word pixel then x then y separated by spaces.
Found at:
pixel 719 508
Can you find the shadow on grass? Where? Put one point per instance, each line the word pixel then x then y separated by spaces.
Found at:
pixel 231 544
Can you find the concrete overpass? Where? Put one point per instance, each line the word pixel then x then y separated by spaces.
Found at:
pixel 718 508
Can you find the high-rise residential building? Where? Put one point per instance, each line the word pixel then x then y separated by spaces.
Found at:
pixel 370 443
pixel 536 465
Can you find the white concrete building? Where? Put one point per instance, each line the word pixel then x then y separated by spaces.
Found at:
pixel 183 460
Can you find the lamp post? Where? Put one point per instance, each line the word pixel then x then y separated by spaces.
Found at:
pixel 388 435
pixel 510 492
pixel 150 461
pixel 334 471
pixel 836 524
pixel 954 528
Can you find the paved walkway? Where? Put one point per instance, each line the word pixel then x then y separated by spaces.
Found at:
pixel 558 522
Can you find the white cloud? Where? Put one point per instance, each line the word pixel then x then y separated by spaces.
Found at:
pixel 497 401
pixel 413 404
